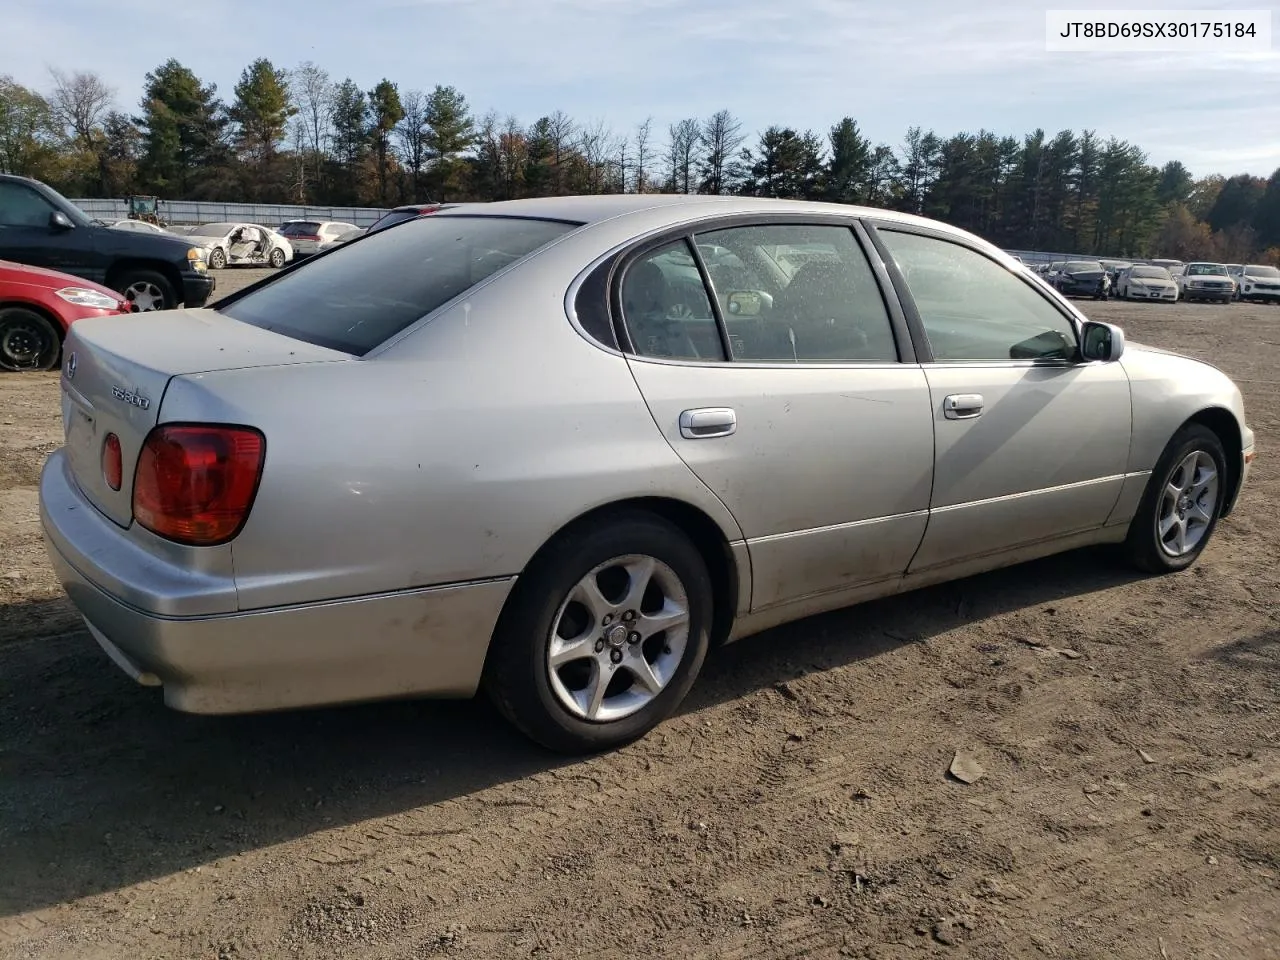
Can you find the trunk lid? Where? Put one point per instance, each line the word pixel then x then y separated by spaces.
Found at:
pixel 115 371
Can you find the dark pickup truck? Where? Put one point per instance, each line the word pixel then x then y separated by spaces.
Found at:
pixel 154 271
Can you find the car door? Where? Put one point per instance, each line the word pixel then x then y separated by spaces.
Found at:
pixel 1031 444
pixel 27 234
pixel 769 357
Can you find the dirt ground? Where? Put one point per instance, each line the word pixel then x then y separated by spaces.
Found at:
pixel 799 806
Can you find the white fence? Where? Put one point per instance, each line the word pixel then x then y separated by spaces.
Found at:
pixel 266 214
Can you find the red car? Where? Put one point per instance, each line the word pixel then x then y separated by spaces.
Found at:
pixel 36 308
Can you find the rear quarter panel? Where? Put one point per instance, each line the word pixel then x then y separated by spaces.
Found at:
pixel 452 456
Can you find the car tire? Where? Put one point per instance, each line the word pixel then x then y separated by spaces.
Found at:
pixel 1184 466
pixel 552 703
pixel 217 259
pixel 277 258
pixel 146 290
pixel 28 341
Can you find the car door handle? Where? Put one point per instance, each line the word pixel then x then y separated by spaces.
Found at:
pixel 707 422
pixel 962 406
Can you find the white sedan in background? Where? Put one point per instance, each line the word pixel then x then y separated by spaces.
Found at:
pixel 240 244
pixel 138 226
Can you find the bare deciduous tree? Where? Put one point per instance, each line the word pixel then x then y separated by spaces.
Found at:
pixel 81 102
pixel 644 131
pixel 684 142
pixel 721 138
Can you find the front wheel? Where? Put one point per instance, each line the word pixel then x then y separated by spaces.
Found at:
pixel 1180 508
pixel 147 290
pixel 28 341
pixel 603 637
pixel 217 259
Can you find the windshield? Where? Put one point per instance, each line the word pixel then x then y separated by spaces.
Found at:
pixel 211 230
pixel 1150 273
pixel 364 294
pixel 1255 271
pixel 1080 266
pixel 1206 270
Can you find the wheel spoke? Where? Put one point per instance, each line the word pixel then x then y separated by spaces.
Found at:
pixel 1167 523
pixel 592 697
pixel 640 571
pixel 1203 481
pixel 587 593
pixel 566 651
pixel 642 670
pixel 1180 538
pixel 1201 513
pixel 668 618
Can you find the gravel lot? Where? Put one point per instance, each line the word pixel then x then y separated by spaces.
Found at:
pixel 799 805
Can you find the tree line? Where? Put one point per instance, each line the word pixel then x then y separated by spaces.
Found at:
pixel 300 136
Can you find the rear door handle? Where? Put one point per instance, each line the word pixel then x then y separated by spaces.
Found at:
pixel 962 406
pixel 707 422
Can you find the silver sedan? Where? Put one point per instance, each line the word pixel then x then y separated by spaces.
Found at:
pixel 559 448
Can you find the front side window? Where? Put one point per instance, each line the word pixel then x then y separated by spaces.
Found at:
pixel 797 293
pixel 972 308
pixel 666 308
pixel 372 290
pixel 20 206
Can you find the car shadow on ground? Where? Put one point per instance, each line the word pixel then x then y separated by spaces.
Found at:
pixel 102 787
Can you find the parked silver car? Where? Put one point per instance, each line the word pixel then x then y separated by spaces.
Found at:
pixel 309 237
pixel 559 447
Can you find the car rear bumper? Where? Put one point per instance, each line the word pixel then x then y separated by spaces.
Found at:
pixel 197 288
pixel 428 642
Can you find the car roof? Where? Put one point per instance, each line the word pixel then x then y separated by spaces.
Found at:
pixel 595 209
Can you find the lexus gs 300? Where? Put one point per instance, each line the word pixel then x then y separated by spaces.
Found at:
pixel 556 449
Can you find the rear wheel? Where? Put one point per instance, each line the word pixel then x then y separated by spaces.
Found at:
pixel 28 341
pixel 603 637
pixel 1180 508
pixel 277 258
pixel 147 290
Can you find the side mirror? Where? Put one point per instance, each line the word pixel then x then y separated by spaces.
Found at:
pixel 1101 341
pixel 59 221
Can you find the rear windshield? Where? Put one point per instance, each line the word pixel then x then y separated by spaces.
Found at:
pixel 394 217
pixel 298 228
pixel 360 295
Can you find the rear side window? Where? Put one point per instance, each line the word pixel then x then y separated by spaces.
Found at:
pixel 364 294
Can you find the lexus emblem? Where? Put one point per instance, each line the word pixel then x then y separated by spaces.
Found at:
pixel 71 366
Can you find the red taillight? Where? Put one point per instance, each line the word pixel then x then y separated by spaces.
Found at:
pixel 195 484
pixel 112 462
pixel 304 236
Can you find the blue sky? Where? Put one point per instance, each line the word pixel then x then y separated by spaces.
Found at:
pixel 803 63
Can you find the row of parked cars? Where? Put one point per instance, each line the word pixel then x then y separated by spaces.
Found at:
pixel 58 265
pixel 1163 280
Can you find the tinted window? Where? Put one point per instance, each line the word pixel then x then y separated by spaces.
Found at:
pixel 666 308
pixel 797 293
pixel 1150 273
pixel 300 228
pixel 973 308
pixel 20 206
pixel 394 217
pixel 365 293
